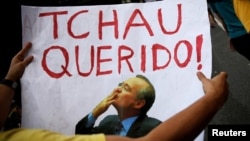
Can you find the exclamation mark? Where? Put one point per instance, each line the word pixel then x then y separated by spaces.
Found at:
pixel 199 41
pixel 143 58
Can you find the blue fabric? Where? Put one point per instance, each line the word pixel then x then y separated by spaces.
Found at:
pixel 140 127
pixel 127 124
pixel 226 11
pixel 91 120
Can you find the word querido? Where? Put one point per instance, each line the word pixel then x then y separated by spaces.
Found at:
pixel 125 53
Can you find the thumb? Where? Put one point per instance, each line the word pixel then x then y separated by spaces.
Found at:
pixel 201 76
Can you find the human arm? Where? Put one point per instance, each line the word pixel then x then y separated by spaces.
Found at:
pixel 84 126
pixel 15 72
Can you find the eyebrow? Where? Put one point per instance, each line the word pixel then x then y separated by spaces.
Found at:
pixel 126 85
pixel 119 84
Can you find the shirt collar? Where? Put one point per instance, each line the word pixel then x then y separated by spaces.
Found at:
pixel 128 122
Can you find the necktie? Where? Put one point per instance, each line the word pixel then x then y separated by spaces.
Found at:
pixel 119 130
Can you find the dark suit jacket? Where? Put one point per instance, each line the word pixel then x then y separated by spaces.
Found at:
pixel 140 127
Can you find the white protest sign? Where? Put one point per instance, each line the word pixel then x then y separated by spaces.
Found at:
pixel 81 53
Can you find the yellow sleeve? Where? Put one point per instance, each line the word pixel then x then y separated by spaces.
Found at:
pixel 21 134
pixel 242 10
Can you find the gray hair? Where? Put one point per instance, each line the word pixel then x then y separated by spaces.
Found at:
pixel 147 93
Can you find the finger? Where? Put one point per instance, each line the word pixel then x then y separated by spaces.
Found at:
pixel 113 96
pixel 28 60
pixel 114 92
pixel 110 102
pixel 223 74
pixel 25 49
pixel 201 76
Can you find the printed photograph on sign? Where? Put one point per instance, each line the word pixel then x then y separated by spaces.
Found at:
pixel 91 62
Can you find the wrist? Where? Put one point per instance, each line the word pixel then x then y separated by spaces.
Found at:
pixel 10 83
pixel 214 100
pixel 11 77
pixel 95 114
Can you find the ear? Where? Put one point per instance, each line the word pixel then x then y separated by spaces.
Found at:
pixel 139 103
